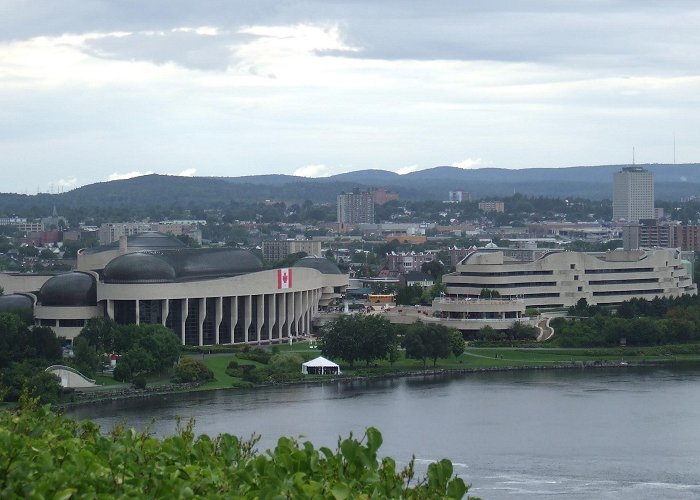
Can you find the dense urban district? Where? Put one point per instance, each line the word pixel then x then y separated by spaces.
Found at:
pixel 117 302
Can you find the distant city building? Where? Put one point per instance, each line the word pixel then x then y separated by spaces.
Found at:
pixel 112 231
pixel 274 250
pixel 650 233
pixel 54 221
pixel 459 196
pixel 404 262
pixel 381 196
pixel 403 239
pixel 22 224
pixel 633 194
pixel 419 278
pixel 356 207
pixel 492 206
pixel 687 237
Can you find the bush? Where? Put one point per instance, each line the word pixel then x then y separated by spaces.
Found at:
pixel 139 382
pixel 192 370
pixel 257 354
pixel 65 458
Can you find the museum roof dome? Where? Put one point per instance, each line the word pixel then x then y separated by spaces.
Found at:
pixel 180 265
pixel 139 266
pixel 69 289
pixel 14 302
pixel 321 264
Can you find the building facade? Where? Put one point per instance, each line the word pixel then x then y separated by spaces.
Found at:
pixel 492 206
pixel 458 196
pixel 560 279
pixel 633 194
pixel 274 250
pixel 404 262
pixel 382 196
pixel 356 207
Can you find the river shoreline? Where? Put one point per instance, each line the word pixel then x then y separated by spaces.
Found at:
pixel 94 398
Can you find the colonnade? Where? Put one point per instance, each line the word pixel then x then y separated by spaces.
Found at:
pixel 258 318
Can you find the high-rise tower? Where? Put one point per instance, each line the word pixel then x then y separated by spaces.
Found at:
pixel 633 194
pixel 355 207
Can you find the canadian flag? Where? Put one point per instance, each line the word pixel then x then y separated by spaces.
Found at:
pixel 284 278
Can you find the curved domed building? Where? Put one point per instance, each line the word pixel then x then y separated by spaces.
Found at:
pixel 16 302
pixel 335 282
pixel 205 295
pixel 66 301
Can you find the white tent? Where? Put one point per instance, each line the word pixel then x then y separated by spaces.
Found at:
pixel 320 366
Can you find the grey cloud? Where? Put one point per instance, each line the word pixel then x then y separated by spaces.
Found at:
pixel 187 49
pixel 608 33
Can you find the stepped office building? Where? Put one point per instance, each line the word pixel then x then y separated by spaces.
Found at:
pixel 206 296
pixel 560 279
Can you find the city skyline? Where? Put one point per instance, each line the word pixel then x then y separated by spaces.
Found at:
pixel 94 91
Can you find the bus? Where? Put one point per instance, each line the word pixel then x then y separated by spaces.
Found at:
pixel 380 299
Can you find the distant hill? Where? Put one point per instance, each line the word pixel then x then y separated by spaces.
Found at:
pixel 594 182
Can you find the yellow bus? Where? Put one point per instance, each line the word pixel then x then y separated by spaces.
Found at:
pixel 380 299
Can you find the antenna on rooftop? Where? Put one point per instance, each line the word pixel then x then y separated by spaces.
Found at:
pixel 674 148
pixel 632 155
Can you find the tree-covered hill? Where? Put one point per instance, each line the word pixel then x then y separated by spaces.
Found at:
pixel 672 182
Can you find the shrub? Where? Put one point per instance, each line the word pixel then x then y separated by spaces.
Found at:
pixel 65 458
pixel 192 370
pixel 139 382
pixel 257 354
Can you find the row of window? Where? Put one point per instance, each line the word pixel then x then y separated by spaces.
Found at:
pixel 507 273
pixel 65 323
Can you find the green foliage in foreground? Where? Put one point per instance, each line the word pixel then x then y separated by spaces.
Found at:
pixel 45 455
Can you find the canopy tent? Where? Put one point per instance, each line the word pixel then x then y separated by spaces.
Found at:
pixel 320 366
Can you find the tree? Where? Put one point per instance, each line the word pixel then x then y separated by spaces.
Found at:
pixel 487 293
pixel 100 333
pixel 86 359
pixel 161 343
pixel 135 362
pixel 434 268
pixel 45 386
pixel 41 342
pixel 409 295
pixel 457 343
pixel 427 341
pixel 357 338
pixel 521 331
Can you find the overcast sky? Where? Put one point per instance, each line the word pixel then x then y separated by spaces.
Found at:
pixel 97 90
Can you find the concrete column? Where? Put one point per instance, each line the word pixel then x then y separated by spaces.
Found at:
pixel 202 315
pixel 281 314
pixel 297 312
pixel 219 317
pixel 164 311
pixel 185 305
pixel 110 309
pixel 247 315
pixel 137 308
pixel 289 298
pixel 271 316
pixel 234 316
pixel 260 315
pixel 309 308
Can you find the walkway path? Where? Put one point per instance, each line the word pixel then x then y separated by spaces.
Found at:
pixel 547 332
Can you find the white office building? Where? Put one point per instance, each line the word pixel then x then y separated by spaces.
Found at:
pixel 633 194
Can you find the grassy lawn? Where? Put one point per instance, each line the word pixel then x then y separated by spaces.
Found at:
pixel 217 364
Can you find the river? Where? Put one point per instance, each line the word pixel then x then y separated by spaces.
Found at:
pixel 591 433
